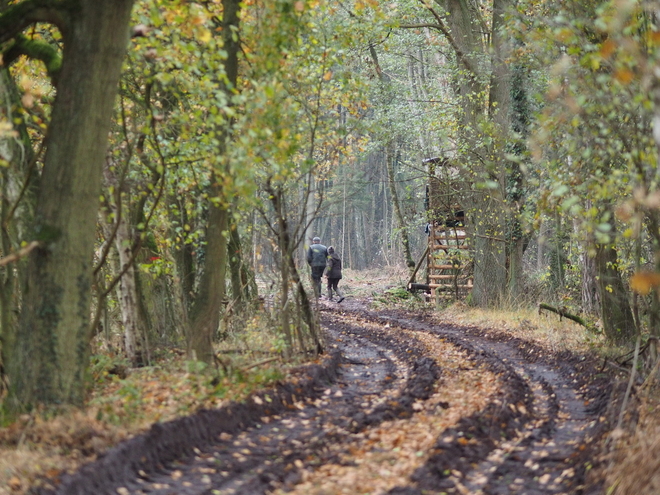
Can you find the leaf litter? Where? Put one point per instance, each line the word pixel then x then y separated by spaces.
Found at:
pixel 386 445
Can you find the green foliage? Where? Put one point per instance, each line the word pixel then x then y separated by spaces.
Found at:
pixel 399 297
pixel 104 366
pixel 594 139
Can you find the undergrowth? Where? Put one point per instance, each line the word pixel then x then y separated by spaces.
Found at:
pixel 123 402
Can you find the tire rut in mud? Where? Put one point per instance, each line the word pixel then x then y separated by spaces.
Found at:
pixel 258 446
pixel 533 439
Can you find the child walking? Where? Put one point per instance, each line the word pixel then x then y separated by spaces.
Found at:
pixel 333 272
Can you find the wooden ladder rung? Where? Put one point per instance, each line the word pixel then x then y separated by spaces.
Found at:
pixel 442 277
pixel 444 267
pixel 450 286
pixel 444 247
pixel 450 236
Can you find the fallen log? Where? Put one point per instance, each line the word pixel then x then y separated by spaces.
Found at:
pixel 565 314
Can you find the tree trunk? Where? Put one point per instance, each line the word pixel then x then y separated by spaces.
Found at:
pixel 390 158
pixel 283 240
pixel 589 284
pixel 205 314
pixel 52 352
pixel 618 322
pixel 127 293
pixel 489 267
pixel 182 253
pixel 19 181
pixel 515 269
pixel 289 273
pixel 243 284
pixel 467 36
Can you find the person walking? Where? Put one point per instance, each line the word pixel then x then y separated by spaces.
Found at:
pixel 317 255
pixel 333 272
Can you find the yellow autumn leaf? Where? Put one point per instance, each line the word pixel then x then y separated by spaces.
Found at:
pixel 644 282
pixel 327 76
pixel 205 35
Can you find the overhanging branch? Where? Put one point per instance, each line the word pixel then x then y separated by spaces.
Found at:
pixel 440 26
pixel 37 50
pixel 19 16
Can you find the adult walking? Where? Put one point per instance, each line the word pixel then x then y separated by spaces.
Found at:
pixel 317 255
pixel 333 272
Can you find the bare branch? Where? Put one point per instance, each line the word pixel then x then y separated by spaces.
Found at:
pixel 19 254
pixel 440 26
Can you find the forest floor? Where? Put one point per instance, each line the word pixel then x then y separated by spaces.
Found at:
pixel 406 400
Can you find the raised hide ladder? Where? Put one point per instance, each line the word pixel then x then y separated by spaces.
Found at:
pixel 447 260
pixel 447 255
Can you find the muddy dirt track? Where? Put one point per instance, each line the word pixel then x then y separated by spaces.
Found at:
pixel 385 411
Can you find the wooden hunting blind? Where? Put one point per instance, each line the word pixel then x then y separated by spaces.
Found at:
pixel 447 256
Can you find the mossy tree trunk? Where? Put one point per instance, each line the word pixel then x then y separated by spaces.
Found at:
pixel 618 321
pixel 19 180
pixel 51 355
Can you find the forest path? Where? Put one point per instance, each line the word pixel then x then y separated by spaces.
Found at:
pixel 410 407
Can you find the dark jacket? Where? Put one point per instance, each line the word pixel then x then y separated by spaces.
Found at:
pixel 333 267
pixel 317 254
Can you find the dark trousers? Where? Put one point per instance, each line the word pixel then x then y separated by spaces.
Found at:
pixel 332 285
pixel 317 274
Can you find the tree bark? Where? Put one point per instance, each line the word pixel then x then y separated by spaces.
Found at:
pixel 19 182
pixel 618 321
pixel 466 32
pixel 205 314
pixel 127 293
pixel 182 253
pixel 243 285
pixel 289 273
pixel 52 351
pixel 390 158
pixel 589 284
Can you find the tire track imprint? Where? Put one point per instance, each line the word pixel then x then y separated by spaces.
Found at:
pixel 544 454
pixel 528 437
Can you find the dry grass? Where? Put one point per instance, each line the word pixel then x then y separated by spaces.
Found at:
pixel 367 284
pixel 633 453
pixel 35 446
pixel 547 329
